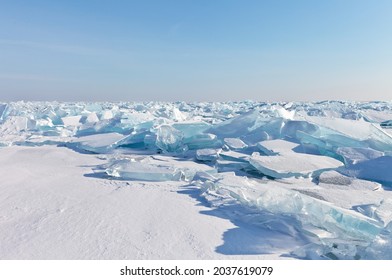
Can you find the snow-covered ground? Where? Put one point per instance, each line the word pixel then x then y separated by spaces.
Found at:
pixel 236 180
pixel 54 207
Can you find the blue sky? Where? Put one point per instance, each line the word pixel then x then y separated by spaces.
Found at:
pixel 205 50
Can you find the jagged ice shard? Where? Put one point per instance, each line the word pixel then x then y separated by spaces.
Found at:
pixel 315 172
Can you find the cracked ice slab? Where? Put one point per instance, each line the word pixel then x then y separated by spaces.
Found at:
pixel 235 143
pixel 288 163
pixel 278 146
pixel 377 169
pixel 156 168
pixel 356 130
pixel 97 143
pixel 355 155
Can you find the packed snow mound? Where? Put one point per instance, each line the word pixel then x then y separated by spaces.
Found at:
pixel 317 172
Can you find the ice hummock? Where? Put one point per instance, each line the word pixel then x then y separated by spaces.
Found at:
pixel 170 140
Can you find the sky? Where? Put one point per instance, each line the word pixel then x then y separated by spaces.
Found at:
pixel 188 50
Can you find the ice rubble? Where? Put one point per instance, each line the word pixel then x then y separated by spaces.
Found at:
pixel 319 168
pixel 327 219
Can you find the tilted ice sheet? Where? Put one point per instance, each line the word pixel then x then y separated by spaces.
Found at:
pixel 283 162
pixel 355 155
pixel 234 143
pixel 378 169
pixel 274 147
pixel 97 143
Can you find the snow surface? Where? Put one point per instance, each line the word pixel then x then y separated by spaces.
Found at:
pixel 195 180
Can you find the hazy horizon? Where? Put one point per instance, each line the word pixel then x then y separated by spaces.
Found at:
pixel 198 51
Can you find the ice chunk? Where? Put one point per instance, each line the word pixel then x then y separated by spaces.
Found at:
pixel 283 113
pixel 354 130
pixel 340 222
pixel 326 144
pixel 355 155
pixel 136 140
pixel 335 191
pixel 92 118
pixel 150 140
pixel 103 126
pixel 143 171
pixel 3 109
pixel 234 156
pixel 44 124
pixel 170 140
pixel 235 143
pixel 234 161
pixel 265 129
pixel 107 115
pixel 156 169
pixel 234 166
pixel 375 116
pixel 97 143
pixel 132 119
pixel 203 141
pixel 273 147
pixel 378 170
pixel 14 124
pixel 190 129
pixel 207 154
pixel 239 125
pixel 292 164
pixel 71 120
pixel 15 129
pixel 178 115
pixel 383 211
pixel 291 127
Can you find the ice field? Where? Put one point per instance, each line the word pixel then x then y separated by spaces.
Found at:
pixel 160 180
